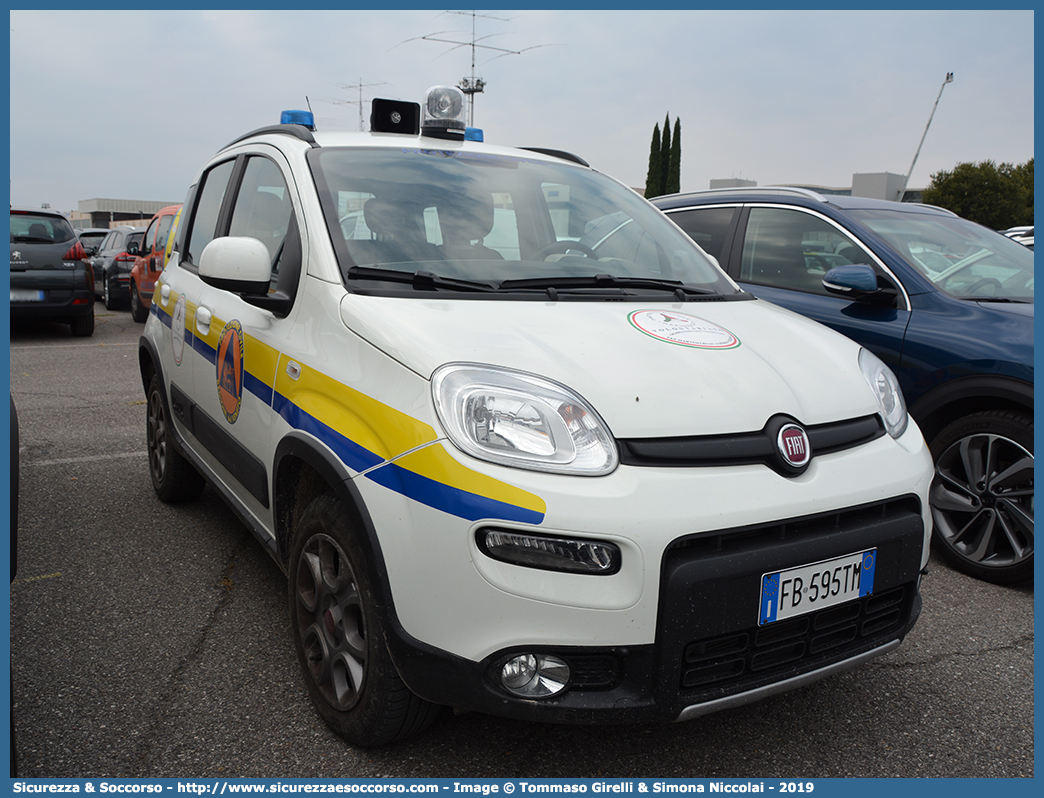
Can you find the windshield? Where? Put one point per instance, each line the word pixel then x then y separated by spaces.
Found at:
pixel 502 222
pixel 963 259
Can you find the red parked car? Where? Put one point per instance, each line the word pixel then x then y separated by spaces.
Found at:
pixel 149 259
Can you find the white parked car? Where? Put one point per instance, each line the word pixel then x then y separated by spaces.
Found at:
pixel 579 478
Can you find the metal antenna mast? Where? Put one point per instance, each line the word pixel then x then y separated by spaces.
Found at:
pixel 472 85
pixel 902 191
pixel 360 102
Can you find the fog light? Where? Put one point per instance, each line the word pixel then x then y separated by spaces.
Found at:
pixel 534 675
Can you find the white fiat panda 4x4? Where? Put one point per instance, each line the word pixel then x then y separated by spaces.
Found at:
pixel 517 442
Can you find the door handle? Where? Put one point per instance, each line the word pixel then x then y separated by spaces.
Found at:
pixel 165 294
pixel 203 320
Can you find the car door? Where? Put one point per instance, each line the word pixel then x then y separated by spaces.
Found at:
pixel 781 254
pixel 237 344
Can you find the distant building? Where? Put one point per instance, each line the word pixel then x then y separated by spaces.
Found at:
pixel 874 185
pixel 733 182
pixel 113 212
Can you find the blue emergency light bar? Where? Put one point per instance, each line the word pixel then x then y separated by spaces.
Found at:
pixel 305 118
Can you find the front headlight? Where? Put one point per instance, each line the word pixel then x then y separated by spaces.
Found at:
pixel 522 421
pixel 887 392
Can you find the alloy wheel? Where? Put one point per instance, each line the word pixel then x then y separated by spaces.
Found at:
pixel 329 614
pixel 982 500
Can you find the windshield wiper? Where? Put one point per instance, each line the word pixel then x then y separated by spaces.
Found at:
pixel 680 289
pixel 419 279
pixel 1010 299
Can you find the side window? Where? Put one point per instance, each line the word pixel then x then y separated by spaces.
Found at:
pixel 793 249
pixel 150 235
pixel 263 208
pixel 208 206
pixel 706 226
pixel 162 231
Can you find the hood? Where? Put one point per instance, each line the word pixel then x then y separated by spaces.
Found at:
pixel 1012 308
pixel 698 368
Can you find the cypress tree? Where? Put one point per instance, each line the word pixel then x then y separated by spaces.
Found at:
pixel 655 176
pixel 665 156
pixel 672 180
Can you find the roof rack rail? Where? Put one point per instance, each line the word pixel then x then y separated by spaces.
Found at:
pixel 568 156
pixel 297 131
pixel 933 207
pixel 805 192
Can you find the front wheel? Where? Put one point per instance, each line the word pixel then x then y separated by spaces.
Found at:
pixel 339 633
pixel 982 496
pixel 173 477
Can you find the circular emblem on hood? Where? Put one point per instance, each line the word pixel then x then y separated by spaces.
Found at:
pixel 683 329
pixel 793 446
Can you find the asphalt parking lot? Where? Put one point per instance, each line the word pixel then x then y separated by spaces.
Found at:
pixel 150 640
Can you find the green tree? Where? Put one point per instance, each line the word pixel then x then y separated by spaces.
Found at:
pixel 654 177
pixel 1024 174
pixel 665 156
pixel 672 181
pixel 995 196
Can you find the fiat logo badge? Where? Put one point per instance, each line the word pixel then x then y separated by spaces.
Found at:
pixel 793 446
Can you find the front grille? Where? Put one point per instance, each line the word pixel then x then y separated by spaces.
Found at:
pixel 747 448
pixel 743 539
pixel 786 645
pixel 711 588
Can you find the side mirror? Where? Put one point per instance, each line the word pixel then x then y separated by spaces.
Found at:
pixel 132 248
pixel 854 281
pixel 238 264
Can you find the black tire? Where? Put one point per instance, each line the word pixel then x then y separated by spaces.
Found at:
pixel 173 477
pixel 339 634
pixel 982 496
pixel 111 292
pixel 82 326
pixel 138 311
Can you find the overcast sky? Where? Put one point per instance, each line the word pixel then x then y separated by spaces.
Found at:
pixel 129 104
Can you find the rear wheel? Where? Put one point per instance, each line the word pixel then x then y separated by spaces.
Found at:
pixel 110 292
pixel 982 496
pixel 339 633
pixel 138 311
pixel 173 477
pixel 82 326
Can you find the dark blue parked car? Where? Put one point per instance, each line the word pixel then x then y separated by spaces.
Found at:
pixel 946 303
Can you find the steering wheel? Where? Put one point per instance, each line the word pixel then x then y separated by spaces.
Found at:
pixel 983 282
pixel 565 246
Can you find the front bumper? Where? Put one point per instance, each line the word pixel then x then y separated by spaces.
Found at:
pixel 709 652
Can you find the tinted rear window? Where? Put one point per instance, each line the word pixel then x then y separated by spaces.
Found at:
pixel 40 228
